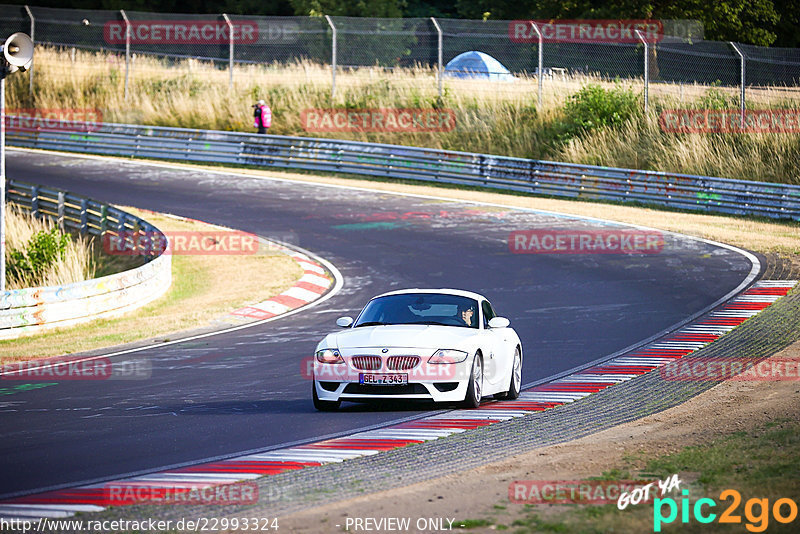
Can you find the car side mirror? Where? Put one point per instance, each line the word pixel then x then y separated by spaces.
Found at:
pixel 499 322
pixel 344 322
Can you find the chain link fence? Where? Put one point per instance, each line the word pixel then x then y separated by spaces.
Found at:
pixel 349 52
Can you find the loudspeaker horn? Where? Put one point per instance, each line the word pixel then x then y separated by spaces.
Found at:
pixel 18 50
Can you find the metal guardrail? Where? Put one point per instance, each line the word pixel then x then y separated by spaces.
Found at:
pixel 30 310
pixel 738 197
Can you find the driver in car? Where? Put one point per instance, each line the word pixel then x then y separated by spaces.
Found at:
pixel 467 314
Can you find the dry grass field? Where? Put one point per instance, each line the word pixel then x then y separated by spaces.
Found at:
pixel 491 117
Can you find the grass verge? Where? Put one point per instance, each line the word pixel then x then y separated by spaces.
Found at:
pixel 760 463
pixel 203 289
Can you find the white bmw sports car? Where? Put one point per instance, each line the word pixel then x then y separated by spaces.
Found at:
pixel 443 345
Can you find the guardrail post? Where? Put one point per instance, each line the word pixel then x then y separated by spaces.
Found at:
pixel 84 216
pixel 33 38
pixel 742 79
pixel 541 71
pixel 35 201
pixel 230 50
pixel 103 219
pixel 60 219
pixel 127 49
pixel 646 69
pixel 439 73
pixel 333 57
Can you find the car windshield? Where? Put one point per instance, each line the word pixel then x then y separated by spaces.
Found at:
pixel 420 308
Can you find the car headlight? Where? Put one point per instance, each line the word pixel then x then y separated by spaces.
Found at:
pixel 329 356
pixel 448 356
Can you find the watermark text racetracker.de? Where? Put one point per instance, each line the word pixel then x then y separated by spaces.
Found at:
pixel 410 120
pixel 718 369
pixel 192 242
pixel 69 119
pixel 97 526
pixel 190 493
pixel 78 368
pixel 575 491
pixel 180 32
pixel 622 241
pixel 730 121
pixel 586 31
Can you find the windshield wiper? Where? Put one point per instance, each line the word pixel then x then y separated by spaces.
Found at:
pixel 371 323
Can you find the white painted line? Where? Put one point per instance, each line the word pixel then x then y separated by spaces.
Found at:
pixel 36 513
pixel 311 267
pixel 56 507
pixel 410 433
pixel 618 377
pixel 643 360
pixel 271 306
pixel 757 298
pixel 551 396
pixel 316 280
pixel 474 415
pixel 678 345
pixel 299 293
pixel 618 362
pixel 211 478
pixel 583 378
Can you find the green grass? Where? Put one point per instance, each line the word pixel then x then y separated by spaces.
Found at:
pixel 759 464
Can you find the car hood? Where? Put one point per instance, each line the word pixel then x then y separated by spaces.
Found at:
pixel 410 336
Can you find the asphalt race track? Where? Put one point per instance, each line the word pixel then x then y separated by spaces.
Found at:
pixel 245 390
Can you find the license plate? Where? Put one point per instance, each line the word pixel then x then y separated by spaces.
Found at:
pixel 383 379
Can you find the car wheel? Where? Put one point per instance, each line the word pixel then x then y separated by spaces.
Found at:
pixel 516 379
pixel 322 405
pixel 475 388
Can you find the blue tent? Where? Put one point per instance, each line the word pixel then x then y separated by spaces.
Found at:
pixel 477 65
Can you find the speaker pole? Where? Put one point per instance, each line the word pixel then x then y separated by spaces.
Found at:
pixel 3 71
pixel 16 53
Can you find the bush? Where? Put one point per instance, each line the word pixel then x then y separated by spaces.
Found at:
pixel 715 99
pixel 594 107
pixel 41 252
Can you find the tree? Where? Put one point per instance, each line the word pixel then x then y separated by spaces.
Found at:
pixel 746 21
pixel 343 8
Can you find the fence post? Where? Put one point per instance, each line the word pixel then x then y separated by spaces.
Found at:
pixel 230 50
pixel 541 72
pixel 333 56
pixel 33 38
pixel 646 70
pixel 35 201
pixel 742 79
pixel 127 49
pixel 439 72
pixel 60 212
pixel 84 216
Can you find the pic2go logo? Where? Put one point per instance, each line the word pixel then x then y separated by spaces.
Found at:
pixel 758 521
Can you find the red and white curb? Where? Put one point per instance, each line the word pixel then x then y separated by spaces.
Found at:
pixel 65 503
pixel 314 283
pixel 311 286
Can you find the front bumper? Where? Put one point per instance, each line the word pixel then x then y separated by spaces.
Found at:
pixel 452 391
pixel 433 382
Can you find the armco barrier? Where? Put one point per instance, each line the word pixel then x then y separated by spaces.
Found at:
pixel 31 310
pixel 682 191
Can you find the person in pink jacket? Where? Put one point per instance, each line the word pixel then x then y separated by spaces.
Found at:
pixel 262 116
